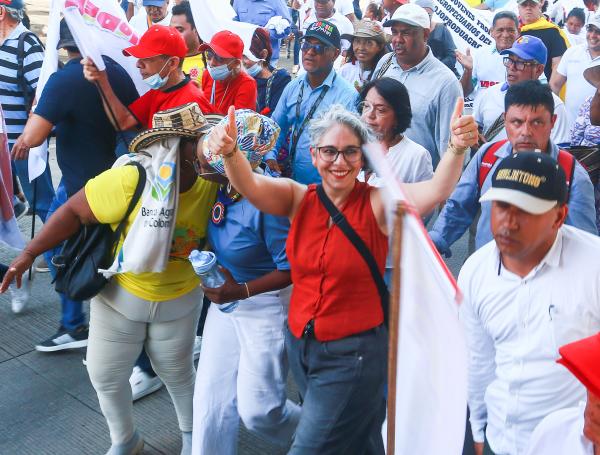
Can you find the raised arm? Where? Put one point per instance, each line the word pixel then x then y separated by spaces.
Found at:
pixel 124 120
pixel 426 195
pixel 277 196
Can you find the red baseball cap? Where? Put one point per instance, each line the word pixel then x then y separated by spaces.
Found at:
pixel 582 358
pixel 158 40
pixel 225 44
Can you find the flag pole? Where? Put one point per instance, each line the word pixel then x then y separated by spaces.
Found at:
pixel 394 319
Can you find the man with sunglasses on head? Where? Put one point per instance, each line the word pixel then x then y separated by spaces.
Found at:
pixel 154 12
pixel 160 53
pixel 224 82
pixel 524 61
pixel 307 96
pixel 431 86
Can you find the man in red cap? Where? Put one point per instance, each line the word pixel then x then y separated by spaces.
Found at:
pixel 224 82
pixel 575 430
pixel 160 53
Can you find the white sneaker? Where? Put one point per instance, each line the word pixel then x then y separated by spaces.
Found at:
pixel 143 384
pixel 20 296
pixel 197 347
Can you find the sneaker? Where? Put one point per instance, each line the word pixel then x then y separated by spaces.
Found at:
pixel 65 339
pixel 20 296
pixel 20 209
pixel 197 347
pixel 41 265
pixel 143 384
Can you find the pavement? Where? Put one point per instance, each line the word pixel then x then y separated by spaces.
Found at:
pixel 47 403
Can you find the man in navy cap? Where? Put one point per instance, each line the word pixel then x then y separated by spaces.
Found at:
pixel 527 293
pixel 524 61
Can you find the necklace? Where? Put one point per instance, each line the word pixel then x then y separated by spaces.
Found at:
pixel 212 95
pixel 224 199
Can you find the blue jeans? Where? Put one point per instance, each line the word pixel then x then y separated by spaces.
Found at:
pixel 45 190
pixel 71 310
pixel 342 385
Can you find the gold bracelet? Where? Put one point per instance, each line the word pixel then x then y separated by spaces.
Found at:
pixel 247 290
pixel 458 152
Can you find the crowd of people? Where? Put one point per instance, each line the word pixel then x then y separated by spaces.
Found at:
pixel 229 152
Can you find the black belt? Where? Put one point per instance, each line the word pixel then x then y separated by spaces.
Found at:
pixel 309 330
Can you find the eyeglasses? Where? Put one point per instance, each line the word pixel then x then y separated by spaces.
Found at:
pixel 318 48
pixel 519 65
pixel 365 107
pixel 210 55
pixel 329 153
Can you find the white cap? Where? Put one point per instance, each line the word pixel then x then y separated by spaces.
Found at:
pixel 594 20
pixel 410 14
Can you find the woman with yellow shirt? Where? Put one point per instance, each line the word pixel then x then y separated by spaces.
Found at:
pixel 158 311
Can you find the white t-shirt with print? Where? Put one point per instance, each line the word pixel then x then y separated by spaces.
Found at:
pixel 488 69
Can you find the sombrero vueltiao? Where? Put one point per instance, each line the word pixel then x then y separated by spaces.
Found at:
pixel 182 121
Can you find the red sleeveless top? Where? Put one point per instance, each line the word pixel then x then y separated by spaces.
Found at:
pixel 332 282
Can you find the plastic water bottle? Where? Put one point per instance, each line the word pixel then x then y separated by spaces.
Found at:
pixel 205 266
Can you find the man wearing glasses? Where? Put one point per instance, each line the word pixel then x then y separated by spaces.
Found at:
pixel 571 67
pixel 224 83
pixel 154 12
pixel 306 97
pixel 524 61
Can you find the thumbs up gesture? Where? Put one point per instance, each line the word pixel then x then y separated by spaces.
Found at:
pixel 222 139
pixel 463 129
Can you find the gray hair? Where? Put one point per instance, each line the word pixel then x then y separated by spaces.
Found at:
pixel 339 115
pixel 16 14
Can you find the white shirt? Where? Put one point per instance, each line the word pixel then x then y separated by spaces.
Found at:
pixel 514 327
pixel 575 40
pixel 488 69
pixel 353 74
pixel 410 163
pixel 490 105
pixel 561 433
pixel 572 64
pixel 139 22
pixel 342 23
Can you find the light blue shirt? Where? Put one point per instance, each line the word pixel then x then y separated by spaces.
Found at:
pixel 258 12
pixel 433 90
pixel 460 210
pixel 249 243
pixel 340 92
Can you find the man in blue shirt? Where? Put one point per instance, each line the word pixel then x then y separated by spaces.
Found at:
pixel 529 118
pixel 85 147
pixel 307 96
pixel 259 12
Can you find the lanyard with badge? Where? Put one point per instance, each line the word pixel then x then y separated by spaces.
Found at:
pixel 298 131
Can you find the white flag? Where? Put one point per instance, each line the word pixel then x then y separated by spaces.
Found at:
pixel 431 389
pixel 99 27
pixel 212 16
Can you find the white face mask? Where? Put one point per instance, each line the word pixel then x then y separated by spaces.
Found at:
pixel 254 70
pixel 219 73
pixel 156 81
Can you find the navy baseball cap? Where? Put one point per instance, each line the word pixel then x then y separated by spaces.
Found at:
pixel 531 181
pixel 324 31
pixel 16 4
pixel 528 48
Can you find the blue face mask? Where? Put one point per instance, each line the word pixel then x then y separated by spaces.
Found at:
pixel 254 70
pixel 155 81
pixel 218 73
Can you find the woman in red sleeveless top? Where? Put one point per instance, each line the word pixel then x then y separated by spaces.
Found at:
pixel 337 343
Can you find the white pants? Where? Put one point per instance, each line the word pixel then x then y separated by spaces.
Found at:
pixel 242 373
pixel 120 325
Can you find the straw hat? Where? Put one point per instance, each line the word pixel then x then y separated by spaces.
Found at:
pixel 182 121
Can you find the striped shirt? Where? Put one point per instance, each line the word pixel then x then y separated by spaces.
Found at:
pixel 11 95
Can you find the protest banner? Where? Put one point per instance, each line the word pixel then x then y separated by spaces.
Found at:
pixel 430 375
pixel 469 27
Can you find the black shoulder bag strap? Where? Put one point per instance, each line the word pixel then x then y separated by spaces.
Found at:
pixel 139 188
pixel 340 221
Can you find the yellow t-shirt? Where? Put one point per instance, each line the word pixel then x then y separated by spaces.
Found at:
pixel 194 66
pixel 109 195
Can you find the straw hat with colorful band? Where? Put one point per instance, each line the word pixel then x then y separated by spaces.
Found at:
pixel 181 121
pixel 257 135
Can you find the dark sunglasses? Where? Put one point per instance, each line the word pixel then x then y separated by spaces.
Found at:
pixel 318 48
